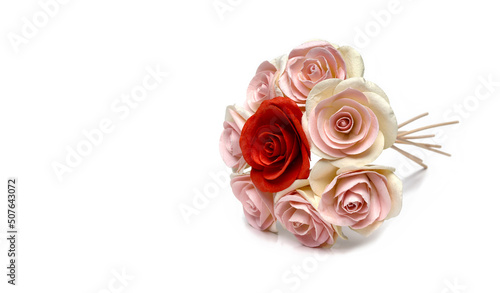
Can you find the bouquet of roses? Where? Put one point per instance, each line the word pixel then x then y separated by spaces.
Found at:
pixel 315 99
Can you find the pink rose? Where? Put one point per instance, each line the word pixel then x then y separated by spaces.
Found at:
pixel 229 144
pixel 263 85
pixel 350 121
pixel 358 197
pixel 315 61
pixel 296 209
pixel 257 205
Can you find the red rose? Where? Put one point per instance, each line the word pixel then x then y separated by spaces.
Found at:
pixel 273 143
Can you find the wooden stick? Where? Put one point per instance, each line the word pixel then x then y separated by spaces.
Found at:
pixel 438 151
pixel 417 136
pixel 426 127
pixel 403 138
pixel 412 119
pixel 429 148
pixel 419 144
pixel 410 156
pixel 424 146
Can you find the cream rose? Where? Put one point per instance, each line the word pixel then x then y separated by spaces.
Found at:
pixel 350 121
pixel 361 198
pixel 296 209
pixel 229 143
pixel 258 206
pixel 316 61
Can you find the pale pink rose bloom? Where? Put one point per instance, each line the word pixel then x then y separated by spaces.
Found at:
pixel 229 144
pixel 343 124
pixel 262 86
pixel 350 121
pixel 295 209
pixel 361 198
pixel 257 205
pixel 316 61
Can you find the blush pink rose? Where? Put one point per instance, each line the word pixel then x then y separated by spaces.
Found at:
pixel 350 120
pixel 295 209
pixel 257 205
pixel 313 62
pixel 263 85
pixel 229 143
pixel 361 198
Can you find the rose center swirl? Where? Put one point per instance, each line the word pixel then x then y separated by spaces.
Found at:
pixel 312 70
pixel 300 228
pixel 263 89
pixel 251 207
pixel 269 147
pixel 343 122
pixel 351 206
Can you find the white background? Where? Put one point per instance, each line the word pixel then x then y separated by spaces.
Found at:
pixel 119 208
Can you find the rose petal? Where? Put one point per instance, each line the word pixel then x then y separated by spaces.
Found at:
pixel 364 158
pixel 386 118
pixel 353 62
pixel 322 174
pixel 321 91
pixel 361 85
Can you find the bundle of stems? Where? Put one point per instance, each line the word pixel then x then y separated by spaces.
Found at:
pixel 408 138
